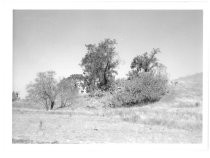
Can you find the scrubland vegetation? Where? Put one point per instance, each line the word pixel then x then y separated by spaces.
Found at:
pixel 144 107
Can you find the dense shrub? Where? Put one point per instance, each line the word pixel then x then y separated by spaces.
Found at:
pixel 148 87
pixel 67 91
pixel 97 93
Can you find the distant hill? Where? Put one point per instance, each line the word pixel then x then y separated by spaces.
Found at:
pixel 186 88
pixel 192 84
pixel 195 78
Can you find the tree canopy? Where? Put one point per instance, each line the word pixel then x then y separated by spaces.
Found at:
pixel 43 89
pixel 145 63
pixel 99 65
pixel 67 90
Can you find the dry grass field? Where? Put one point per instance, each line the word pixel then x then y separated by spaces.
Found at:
pixel 177 118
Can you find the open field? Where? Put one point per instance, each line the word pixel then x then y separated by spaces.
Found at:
pixel 177 118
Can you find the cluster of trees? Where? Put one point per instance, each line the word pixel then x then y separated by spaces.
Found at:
pixel 99 70
pixel 146 81
pixel 46 90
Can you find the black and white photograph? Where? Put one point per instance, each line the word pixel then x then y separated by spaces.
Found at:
pixel 107 76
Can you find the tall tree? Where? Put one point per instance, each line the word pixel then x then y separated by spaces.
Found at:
pixel 99 65
pixel 44 89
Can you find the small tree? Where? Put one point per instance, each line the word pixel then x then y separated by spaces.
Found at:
pixel 15 96
pixel 99 65
pixel 67 89
pixel 144 63
pixel 44 89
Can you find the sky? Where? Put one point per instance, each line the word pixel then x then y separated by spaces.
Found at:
pixel 55 40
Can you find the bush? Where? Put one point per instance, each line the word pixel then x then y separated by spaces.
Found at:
pixel 148 87
pixel 15 96
pixel 97 93
pixel 67 91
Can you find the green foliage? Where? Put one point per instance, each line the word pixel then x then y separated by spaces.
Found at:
pixel 99 65
pixel 147 87
pixel 44 89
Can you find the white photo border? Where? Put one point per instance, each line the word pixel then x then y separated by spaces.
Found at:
pixel 101 150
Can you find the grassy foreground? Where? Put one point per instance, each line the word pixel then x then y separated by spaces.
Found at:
pixel 177 118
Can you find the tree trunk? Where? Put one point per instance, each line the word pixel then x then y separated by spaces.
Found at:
pixel 52 105
pixel 105 80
